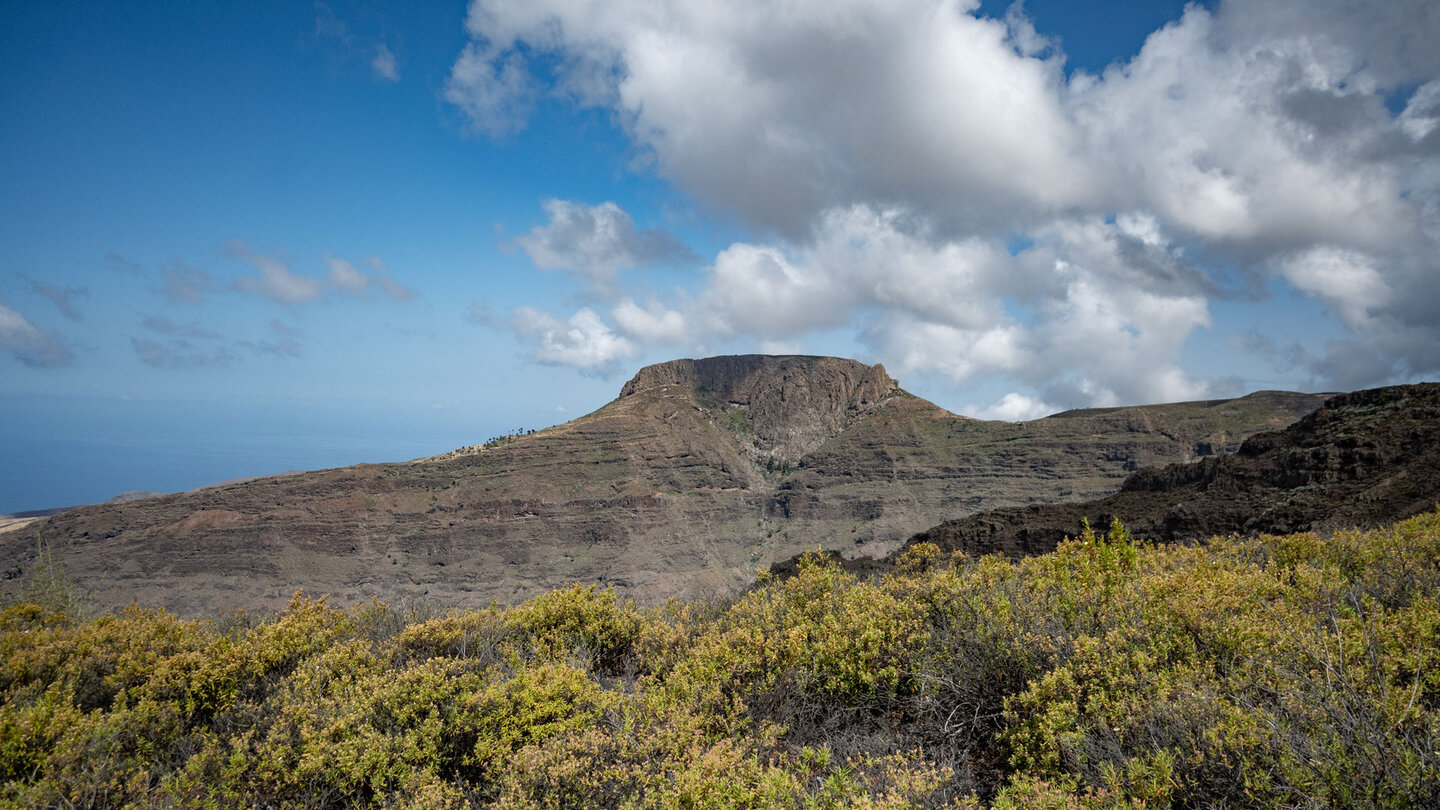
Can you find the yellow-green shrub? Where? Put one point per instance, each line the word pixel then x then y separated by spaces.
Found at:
pixel 820 632
pixel 1271 672
pixel 580 619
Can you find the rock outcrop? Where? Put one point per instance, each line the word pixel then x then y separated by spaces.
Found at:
pixel 793 405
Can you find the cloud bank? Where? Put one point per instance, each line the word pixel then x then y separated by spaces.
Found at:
pixel 937 181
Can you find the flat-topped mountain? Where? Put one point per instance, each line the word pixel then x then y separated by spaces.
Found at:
pixel 1363 460
pixel 791 405
pixel 699 473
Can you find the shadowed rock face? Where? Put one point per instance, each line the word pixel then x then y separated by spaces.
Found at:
pixel 793 404
pixel 699 473
pixel 1363 460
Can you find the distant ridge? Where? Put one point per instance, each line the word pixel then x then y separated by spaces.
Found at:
pixel 697 474
pixel 1364 459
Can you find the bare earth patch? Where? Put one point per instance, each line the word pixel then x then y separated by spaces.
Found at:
pixel 9 523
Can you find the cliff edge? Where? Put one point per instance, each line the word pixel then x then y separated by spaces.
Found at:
pixel 793 403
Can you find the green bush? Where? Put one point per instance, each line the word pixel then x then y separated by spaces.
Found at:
pixel 1274 672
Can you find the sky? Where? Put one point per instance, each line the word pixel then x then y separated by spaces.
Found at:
pixel 245 238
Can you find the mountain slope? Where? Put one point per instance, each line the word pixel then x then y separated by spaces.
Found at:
pixel 697 474
pixel 1363 460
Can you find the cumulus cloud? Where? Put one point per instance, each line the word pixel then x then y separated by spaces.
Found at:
pixel 652 322
pixel 582 341
pixel 1348 281
pixel 1092 315
pixel 594 242
pixel 494 93
pixel 937 181
pixel 34 347
pixel 769 109
pixel 1014 407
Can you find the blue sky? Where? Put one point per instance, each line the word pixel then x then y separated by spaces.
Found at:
pixel 246 238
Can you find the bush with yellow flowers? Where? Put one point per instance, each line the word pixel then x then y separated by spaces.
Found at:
pixel 1274 672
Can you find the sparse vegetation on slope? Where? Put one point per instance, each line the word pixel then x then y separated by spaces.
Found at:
pixel 700 471
pixel 1294 671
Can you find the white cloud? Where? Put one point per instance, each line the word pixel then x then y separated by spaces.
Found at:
pixel 886 154
pixel 1015 407
pixel 756 291
pixel 384 65
pixel 652 323
pixel 495 94
pixel 34 347
pixel 1422 112
pixel 1347 280
pixel 594 242
pixel 275 281
pixel 1256 142
pixel 583 341
pixel 777 111
pixel 344 277
pixel 1106 327
pixel 961 354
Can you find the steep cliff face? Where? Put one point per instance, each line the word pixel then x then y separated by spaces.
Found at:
pixel 699 473
pixel 793 405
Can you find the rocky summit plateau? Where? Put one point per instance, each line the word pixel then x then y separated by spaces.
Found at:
pixel 696 475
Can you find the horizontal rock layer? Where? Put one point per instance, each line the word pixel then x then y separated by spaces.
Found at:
pixel 699 473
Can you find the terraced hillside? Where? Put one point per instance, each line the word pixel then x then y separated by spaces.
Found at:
pixel 699 473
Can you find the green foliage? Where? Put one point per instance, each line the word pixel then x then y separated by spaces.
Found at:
pixel 1278 672
pixel 581 620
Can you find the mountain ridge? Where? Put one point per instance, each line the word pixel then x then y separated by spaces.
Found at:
pixel 683 485
pixel 1362 460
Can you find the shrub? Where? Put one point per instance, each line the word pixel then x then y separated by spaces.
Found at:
pixel 1274 672
pixel 583 621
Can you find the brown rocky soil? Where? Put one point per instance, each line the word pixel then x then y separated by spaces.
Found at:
pixel 699 473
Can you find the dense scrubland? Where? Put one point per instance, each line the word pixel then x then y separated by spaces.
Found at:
pixel 1296 671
